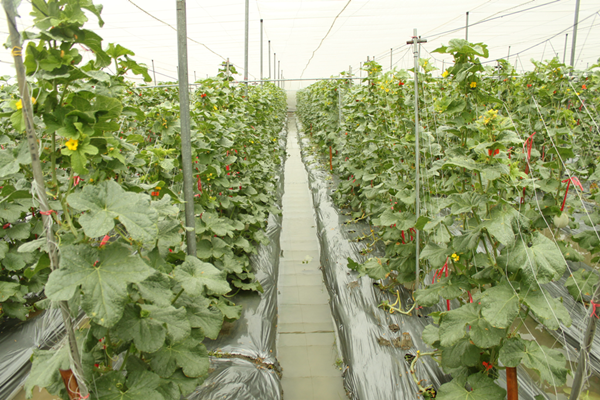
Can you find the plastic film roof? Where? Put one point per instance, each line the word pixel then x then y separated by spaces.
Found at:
pixel 320 38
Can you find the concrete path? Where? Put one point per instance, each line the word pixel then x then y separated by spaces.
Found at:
pixel 306 345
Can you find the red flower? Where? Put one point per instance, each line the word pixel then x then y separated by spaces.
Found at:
pixel 583 87
pixel 400 83
pixel 96 365
pixel 497 151
pixel 488 366
pixel 203 95
pixel 529 85
pixel 6 226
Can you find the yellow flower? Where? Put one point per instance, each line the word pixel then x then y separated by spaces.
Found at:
pixel 387 90
pixel 158 188
pixel 72 144
pixel 473 84
pixel 215 107
pixel 445 74
pixel 455 257
pixel 20 103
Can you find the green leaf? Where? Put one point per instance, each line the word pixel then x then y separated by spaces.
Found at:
pixel 8 289
pixel 147 334
pixel 435 254
pixel 453 323
pixel 190 355
pixel 539 260
pixel 140 385
pixel 195 276
pixel 582 283
pixel 467 241
pixel 431 335
pixel 102 274
pixel 45 370
pixel 377 268
pixel 482 388
pixel 500 224
pixel 467 202
pixel 463 353
pixel 157 289
pixel 202 315
pixel 546 308
pixel 107 201
pixel 549 363
pixel 500 305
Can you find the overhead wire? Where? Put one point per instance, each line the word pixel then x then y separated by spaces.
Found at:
pixel 325 37
pixel 189 38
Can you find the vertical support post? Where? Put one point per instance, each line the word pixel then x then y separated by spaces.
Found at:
pixel 39 187
pixel 195 76
pixel 512 384
pixel 275 68
pixel 186 143
pixel 467 28
pixel 573 45
pixel 154 72
pixel 586 346
pixel 269 59
pixel 227 69
pixel 565 50
pixel 247 26
pixel 416 41
pixel 508 56
pixel 261 51
pixel 391 52
pixel 279 72
pixel 360 72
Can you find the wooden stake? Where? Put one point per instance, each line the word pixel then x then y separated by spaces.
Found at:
pixel 512 385
pixel 330 160
pixel 70 383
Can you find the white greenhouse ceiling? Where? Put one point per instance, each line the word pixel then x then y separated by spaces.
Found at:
pixel 321 38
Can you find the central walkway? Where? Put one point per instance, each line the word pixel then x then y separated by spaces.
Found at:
pixel 306 345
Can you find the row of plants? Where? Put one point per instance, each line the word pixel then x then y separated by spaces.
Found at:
pixel 507 160
pixel 111 157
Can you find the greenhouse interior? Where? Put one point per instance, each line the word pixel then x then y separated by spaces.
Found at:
pixel 309 200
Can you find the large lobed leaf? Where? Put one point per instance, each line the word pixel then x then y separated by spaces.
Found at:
pixel 101 274
pixel 107 201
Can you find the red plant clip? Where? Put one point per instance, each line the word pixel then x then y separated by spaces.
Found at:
pixel 199 184
pixel 49 212
pixel 576 182
pixel 527 146
pixel 105 240
pixel 595 306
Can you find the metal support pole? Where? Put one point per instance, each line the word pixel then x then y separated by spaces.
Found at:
pixel 154 72
pixel 269 59
pixel 195 76
pixel 573 45
pixel 508 57
pixel 391 52
pixel 279 72
pixel 586 346
pixel 275 67
pixel 227 69
pixel 261 50
pixel 186 142
pixel 39 187
pixel 565 50
pixel 416 41
pixel 467 28
pixel 246 45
